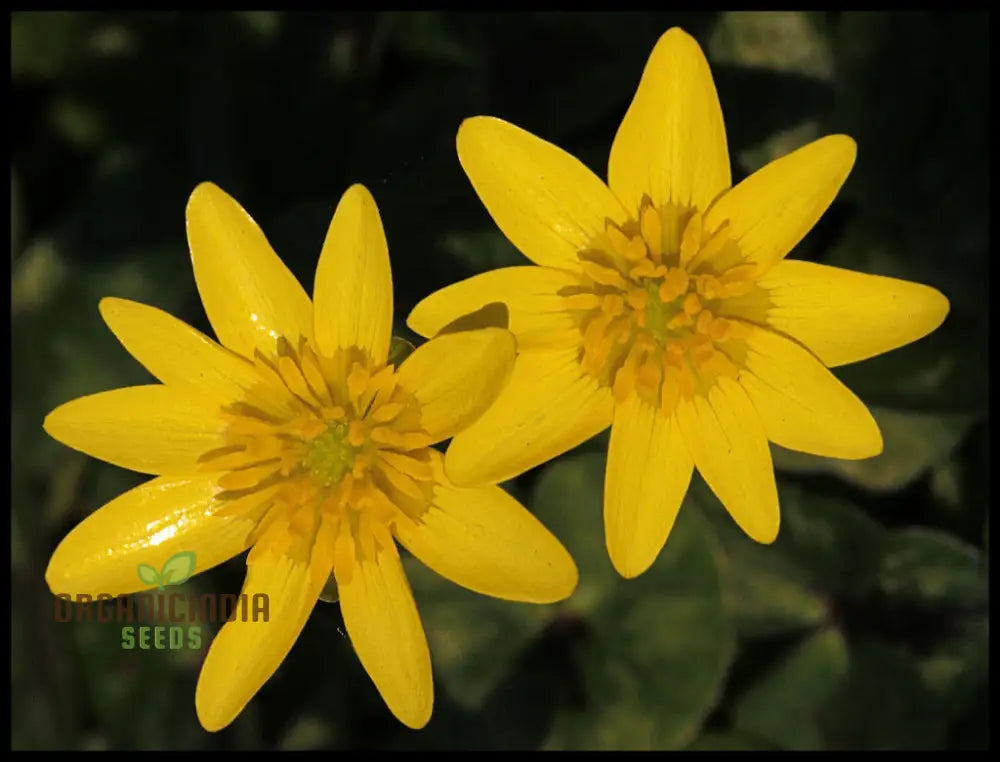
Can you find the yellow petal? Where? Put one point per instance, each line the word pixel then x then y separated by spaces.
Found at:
pixel 176 353
pixel 547 203
pixel 246 653
pixel 537 315
pixel 385 630
pixel 844 316
pixel 648 473
pixel 151 429
pixel 548 407
pixel 773 209
pixel 483 539
pixel 147 525
pixel 801 404
pixel 250 297
pixel 353 291
pixel 672 143
pixel 456 376
pixel 727 441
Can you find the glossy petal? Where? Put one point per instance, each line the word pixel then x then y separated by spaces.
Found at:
pixel 250 296
pixel 672 143
pixel 246 653
pixel 536 313
pixel 844 316
pixel 483 539
pixel 648 473
pixel 147 525
pixel 151 429
pixel 727 441
pixel 353 291
pixel 457 376
pixel 548 407
pixel 382 622
pixel 773 209
pixel 801 404
pixel 547 203
pixel 176 353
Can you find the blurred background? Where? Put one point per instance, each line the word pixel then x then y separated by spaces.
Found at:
pixel 864 626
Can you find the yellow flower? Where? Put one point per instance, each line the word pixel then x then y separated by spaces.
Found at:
pixel 662 305
pixel 297 438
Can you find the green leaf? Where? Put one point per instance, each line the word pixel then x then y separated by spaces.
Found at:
pixel 658 646
pixel 883 704
pixel 914 443
pixel 399 350
pixel 934 568
pixel 474 638
pixel 568 501
pixel 766 595
pixel 959 668
pixel 786 705
pixel 178 568
pixel 836 544
pixel 826 545
pixel 766 592
pixel 778 40
pixel 148 575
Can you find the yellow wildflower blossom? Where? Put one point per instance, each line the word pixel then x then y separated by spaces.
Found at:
pixel 298 439
pixel 662 305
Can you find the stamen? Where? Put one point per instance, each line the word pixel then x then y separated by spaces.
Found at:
pixel 691 239
pixel 707 286
pixel 412 467
pixel 336 413
pixel 647 269
pixel 635 251
pixel 619 241
pixel 588 301
pixel 357 383
pixel 356 434
pixel 704 322
pixel 400 480
pixel 245 478
pixel 387 412
pixel 637 299
pixel 692 304
pixel 613 304
pixel 652 231
pixel 674 283
pixel 712 247
pixel 603 275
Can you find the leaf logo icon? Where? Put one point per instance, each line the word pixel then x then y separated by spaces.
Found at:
pixel 176 570
pixel 149 575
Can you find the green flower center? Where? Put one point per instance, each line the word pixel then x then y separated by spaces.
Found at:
pixel 659 313
pixel 330 456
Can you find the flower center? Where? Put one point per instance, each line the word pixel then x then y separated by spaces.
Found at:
pixel 330 456
pixel 323 452
pixel 653 303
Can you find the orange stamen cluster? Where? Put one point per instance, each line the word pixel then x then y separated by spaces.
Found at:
pixel 649 306
pixel 324 445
